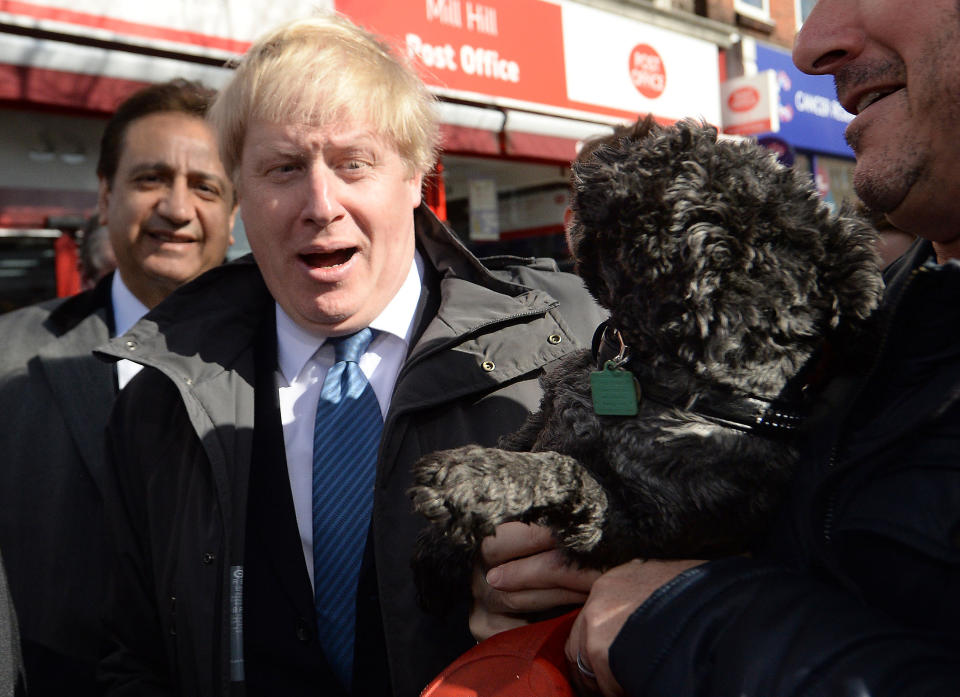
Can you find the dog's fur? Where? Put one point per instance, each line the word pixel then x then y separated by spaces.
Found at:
pixel 723 271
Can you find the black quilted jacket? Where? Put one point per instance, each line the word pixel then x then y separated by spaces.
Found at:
pixel 857 591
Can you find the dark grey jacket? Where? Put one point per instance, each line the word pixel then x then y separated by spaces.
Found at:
pixel 11 666
pixel 856 592
pixel 55 398
pixel 182 438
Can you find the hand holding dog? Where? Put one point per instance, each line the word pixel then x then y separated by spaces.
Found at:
pixel 613 598
pixel 520 572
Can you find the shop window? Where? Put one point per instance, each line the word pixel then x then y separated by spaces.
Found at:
pixel 834 178
pixel 27 273
pixel 500 206
pixel 50 162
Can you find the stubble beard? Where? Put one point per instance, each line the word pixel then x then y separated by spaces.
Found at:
pixel 882 181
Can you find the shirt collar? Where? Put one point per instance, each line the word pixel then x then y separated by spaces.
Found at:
pixel 127 309
pixel 296 345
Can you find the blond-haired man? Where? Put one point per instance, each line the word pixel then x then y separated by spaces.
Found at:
pixel 232 576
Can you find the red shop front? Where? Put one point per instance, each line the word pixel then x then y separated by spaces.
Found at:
pixel 521 83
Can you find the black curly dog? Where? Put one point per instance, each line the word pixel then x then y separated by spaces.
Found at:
pixel 723 273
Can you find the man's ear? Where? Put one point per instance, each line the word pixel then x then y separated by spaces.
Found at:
pixel 103 200
pixel 416 184
pixel 236 208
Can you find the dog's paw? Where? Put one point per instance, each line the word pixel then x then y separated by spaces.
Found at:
pixel 455 490
pixel 466 492
pixel 449 490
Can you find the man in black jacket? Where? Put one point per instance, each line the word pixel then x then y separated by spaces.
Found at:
pixel 168 206
pixel 223 586
pixel 855 591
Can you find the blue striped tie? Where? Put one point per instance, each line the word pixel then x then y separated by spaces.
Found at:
pixel 346 435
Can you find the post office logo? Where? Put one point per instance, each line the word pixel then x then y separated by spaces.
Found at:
pixel 647 71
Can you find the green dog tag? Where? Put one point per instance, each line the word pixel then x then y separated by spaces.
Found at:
pixel 614 391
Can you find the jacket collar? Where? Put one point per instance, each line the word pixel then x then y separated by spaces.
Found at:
pixel 75 309
pixel 451 258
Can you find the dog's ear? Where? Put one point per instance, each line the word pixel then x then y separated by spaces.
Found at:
pixel 604 181
pixel 853 275
pixel 585 245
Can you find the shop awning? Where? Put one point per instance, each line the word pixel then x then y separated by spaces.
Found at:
pixel 490 131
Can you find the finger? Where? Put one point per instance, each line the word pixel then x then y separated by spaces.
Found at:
pixel 606 683
pixel 550 569
pixel 580 668
pixel 575 640
pixel 591 659
pixel 514 540
pixel 527 601
pixel 484 624
pixel 586 686
pixel 599 661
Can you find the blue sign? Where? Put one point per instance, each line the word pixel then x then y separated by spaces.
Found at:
pixel 811 118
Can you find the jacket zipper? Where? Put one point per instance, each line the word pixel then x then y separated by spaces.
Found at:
pixel 829 514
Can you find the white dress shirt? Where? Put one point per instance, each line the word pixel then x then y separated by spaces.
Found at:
pixel 303 359
pixel 127 311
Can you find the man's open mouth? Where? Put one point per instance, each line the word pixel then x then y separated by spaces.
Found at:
pixel 324 260
pixel 873 97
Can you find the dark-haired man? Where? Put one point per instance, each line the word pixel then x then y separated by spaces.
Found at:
pixel 169 208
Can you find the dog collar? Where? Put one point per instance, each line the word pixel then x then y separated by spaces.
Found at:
pixel 743 411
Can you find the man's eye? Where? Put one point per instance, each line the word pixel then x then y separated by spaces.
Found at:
pixel 285 168
pixel 207 189
pixel 354 166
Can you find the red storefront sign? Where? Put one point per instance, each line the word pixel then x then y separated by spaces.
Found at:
pixel 504 48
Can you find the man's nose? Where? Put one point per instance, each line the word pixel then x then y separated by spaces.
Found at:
pixel 322 205
pixel 830 37
pixel 175 205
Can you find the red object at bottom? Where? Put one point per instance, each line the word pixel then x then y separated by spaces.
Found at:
pixel 525 662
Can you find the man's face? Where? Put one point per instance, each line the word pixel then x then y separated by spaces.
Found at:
pixel 329 215
pixel 897 68
pixel 170 206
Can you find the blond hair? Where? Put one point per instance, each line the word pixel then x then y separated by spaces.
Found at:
pixel 323 69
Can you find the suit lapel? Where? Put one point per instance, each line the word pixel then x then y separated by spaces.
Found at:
pixel 82 386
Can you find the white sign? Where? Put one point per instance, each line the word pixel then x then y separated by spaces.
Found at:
pixel 217 29
pixel 484 215
pixel 535 210
pixel 639 68
pixel 751 104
